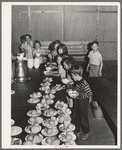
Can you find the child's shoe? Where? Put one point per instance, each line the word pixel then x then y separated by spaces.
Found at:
pixel 85 136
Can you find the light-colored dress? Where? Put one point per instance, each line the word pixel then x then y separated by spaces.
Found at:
pixel 39 54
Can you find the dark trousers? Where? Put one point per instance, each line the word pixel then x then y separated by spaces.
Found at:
pixel 80 115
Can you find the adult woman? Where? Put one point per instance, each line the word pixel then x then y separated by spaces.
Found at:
pixel 27 46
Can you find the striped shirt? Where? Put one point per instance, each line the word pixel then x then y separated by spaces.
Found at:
pixel 83 88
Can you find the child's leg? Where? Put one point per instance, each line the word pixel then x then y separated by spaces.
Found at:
pixel 76 118
pixel 83 105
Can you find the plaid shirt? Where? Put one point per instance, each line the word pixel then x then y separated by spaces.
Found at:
pixel 83 88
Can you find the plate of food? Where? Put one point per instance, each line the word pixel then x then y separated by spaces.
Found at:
pixel 33 101
pixel 42 106
pixel 34 120
pixel 65 128
pixel 34 128
pixel 62 118
pixel 67 111
pixel 15 130
pixel 12 122
pixel 16 141
pixel 49 123
pixel 67 136
pixel 34 113
pixel 60 105
pixel 50 131
pixel 51 141
pixel 49 96
pixel 35 95
pixel 34 138
pixel 48 79
pixel 45 84
pixel 50 112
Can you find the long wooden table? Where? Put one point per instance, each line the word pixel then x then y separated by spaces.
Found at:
pixel 19 104
pixel 105 92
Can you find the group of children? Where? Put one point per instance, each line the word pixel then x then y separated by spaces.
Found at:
pixel 67 68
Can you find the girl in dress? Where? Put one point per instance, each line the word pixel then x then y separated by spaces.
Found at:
pixel 38 52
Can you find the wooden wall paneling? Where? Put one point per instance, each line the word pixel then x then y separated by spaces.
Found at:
pixel 80 26
pixel 82 8
pixel 20 25
pixel 107 8
pixel 46 8
pixel 107 27
pixel 47 26
pixel 108 51
pixel 18 8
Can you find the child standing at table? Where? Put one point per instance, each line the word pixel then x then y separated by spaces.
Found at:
pixel 95 64
pixel 61 72
pixel 67 63
pixel 80 101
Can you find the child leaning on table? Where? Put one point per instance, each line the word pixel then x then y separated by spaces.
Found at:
pixel 95 64
pixel 80 101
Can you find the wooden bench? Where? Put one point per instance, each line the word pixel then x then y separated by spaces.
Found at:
pixel 77 49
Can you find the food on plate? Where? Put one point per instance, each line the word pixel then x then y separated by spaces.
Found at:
pixel 50 112
pixel 60 105
pixel 31 100
pixel 16 141
pixel 43 105
pixel 67 110
pixel 50 122
pixel 15 130
pixel 49 131
pixel 34 138
pixel 69 137
pixel 61 119
pixel 70 126
pixel 35 95
pixel 51 141
pixel 34 128
pixel 34 120
pixel 34 113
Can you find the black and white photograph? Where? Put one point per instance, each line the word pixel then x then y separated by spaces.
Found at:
pixel 61 75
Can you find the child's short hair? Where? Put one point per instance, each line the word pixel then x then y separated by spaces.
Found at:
pixel 69 61
pixel 76 70
pixel 95 42
pixel 36 42
pixel 57 42
pixel 64 48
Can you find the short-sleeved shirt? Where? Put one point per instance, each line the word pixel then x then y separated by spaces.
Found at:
pixel 95 58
